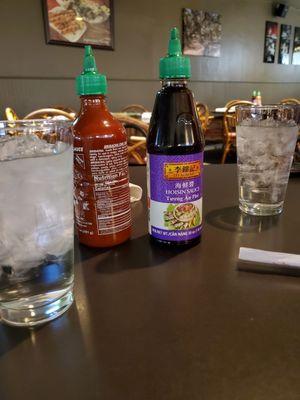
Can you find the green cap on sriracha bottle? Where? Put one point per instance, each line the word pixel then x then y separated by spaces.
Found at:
pixel 90 81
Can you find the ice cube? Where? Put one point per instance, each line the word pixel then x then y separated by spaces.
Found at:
pixel 54 230
pixel 19 251
pixel 36 216
pixel 13 147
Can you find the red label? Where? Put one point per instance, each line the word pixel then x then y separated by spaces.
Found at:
pixel 101 187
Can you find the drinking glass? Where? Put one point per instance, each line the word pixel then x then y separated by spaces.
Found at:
pixel 266 139
pixel 36 220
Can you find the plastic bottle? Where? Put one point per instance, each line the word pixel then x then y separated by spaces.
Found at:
pixel 253 98
pixel 175 147
pixel 101 184
pixel 258 99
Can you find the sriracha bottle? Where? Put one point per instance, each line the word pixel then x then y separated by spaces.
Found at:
pixel 175 147
pixel 101 182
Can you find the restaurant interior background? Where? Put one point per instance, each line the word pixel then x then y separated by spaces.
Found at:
pixel 170 311
pixel 34 74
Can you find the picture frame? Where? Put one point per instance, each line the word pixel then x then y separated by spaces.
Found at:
pixel 271 36
pixel 284 44
pixel 202 32
pixel 296 47
pixel 79 23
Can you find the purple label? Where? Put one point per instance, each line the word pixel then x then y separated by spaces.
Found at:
pixel 184 234
pixel 175 196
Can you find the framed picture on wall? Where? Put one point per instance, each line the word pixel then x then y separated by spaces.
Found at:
pixel 296 47
pixel 201 33
pixel 284 44
pixel 79 22
pixel 271 36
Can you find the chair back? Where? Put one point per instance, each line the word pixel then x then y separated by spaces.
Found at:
pixel 290 101
pixel 49 113
pixel 229 119
pixel 136 138
pixel 203 114
pixel 134 108
pixel 10 114
pixel 68 110
pixel 134 123
pixel 232 102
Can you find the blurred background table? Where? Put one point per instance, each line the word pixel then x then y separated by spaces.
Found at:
pixel 158 323
pixel 218 126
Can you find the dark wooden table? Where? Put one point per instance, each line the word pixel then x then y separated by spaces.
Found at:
pixel 152 323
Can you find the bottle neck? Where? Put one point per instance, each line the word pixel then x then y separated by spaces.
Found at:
pixel 95 101
pixel 175 82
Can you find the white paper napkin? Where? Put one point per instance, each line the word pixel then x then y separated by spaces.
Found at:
pixel 268 262
pixel 269 257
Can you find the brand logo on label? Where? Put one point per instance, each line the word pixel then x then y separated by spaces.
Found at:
pixel 184 170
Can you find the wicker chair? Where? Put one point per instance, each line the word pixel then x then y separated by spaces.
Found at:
pixel 134 108
pixel 229 125
pixel 290 101
pixel 136 138
pixel 232 103
pixel 69 110
pixel 203 114
pixel 49 113
pixel 127 120
pixel 10 114
pixel 43 113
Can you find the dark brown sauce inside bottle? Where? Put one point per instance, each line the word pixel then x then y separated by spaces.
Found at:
pixel 175 129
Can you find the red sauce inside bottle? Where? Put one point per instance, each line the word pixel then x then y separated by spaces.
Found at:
pixel 101 182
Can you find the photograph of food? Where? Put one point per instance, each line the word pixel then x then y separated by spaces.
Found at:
pixel 79 22
pixel 202 32
pixel 182 216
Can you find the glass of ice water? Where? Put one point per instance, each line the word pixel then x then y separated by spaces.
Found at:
pixel 36 220
pixel 266 140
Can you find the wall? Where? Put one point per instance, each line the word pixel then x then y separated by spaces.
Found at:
pixel 34 74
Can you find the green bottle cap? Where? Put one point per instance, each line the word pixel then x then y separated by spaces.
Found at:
pixel 174 65
pixel 254 93
pixel 258 93
pixel 90 81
